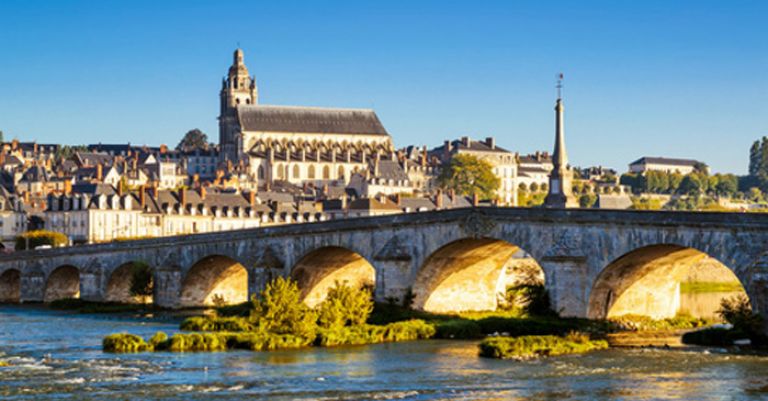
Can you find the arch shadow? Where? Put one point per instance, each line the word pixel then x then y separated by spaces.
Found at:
pixel 214 280
pixel 320 269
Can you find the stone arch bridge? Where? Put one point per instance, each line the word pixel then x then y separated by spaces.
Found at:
pixel 449 260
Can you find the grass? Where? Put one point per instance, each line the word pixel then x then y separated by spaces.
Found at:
pixel 259 340
pixel 707 287
pixel 645 323
pixel 206 323
pixel 526 347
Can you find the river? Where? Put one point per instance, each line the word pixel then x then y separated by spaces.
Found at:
pixel 57 355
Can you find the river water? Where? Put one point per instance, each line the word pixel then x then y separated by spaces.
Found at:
pixel 57 355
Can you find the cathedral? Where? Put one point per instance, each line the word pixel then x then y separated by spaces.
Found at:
pixel 300 145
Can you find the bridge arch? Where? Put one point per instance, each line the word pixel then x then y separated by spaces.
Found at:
pixel 319 270
pixel 10 286
pixel 62 283
pixel 119 283
pixel 647 281
pixel 212 280
pixel 469 274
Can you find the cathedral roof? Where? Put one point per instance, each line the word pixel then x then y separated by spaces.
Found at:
pixel 310 120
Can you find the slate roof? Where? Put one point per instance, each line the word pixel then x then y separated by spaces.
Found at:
pixel 479 146
pixel 309 120
pixel 664 160
pixel 391 170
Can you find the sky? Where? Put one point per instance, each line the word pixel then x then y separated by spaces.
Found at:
pixel 683 79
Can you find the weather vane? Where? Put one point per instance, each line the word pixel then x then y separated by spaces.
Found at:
pixel 560 85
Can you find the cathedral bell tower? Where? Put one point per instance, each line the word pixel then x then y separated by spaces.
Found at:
pixel 560 191
pixel 237 89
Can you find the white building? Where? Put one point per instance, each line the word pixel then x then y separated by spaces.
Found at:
pixel 682 166
pixel 504 162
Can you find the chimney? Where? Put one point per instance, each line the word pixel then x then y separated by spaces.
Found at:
pixel 202 192
pixel 183 198
pixel 34 148
pixel 135 162
pixel 490 142
pixel 252 198
pixel 439 199
pixel 424 157
pixel 26 197
pixel 465 141
pixel 398 198
pixel 325 190
pixel 475 199
pixel 163 149
pixel 67 187
pixel 119 189
pixel 452 196
pixel 447 150
pixel 344 202
pixel 143 196
pixel 99 172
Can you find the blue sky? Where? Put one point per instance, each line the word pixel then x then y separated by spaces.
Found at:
pixel 650 78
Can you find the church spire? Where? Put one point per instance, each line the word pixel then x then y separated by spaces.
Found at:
pixel 560 192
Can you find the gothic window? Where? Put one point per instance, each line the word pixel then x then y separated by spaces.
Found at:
pixel 311 173
pixel 326 173
pixel 280 172
pixel 341 172
pixel 247 101
pixel 261 172
pixel 295 171
pixel 237 101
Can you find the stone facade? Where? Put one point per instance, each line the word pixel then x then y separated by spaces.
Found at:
pixel 448 259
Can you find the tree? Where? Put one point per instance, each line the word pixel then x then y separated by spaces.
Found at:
pixel 726 185
pixel 280 310
pixel 694 184
pixel 467 175
pixel 193 139
pixel 2 136
pixel 142 283
pixel 345 306
pixel 587 200
pixel 36 238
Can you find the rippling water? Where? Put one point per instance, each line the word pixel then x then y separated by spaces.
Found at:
pixel 55 355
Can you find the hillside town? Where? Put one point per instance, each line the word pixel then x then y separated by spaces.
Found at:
pixel 292 164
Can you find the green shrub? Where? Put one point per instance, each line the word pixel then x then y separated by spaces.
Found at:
pixel 345 306
pixel 371 334
pixel 713 336
pixel 205 323
pixel 156 340
pixel 530 326
pixel 646 323
pixel 738 312
pixel 280 310
pixel 529 299
pixel 180 342
pixel 458 329
pixel 242 310
pixel 535 346
pixel 33 239
pixel 124 342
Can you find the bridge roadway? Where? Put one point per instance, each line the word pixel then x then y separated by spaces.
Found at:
pixel 596 263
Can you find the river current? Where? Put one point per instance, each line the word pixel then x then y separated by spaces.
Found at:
pixel 57 355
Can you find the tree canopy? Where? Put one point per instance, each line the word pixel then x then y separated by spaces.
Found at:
pixel 193 139
pixel 467 174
